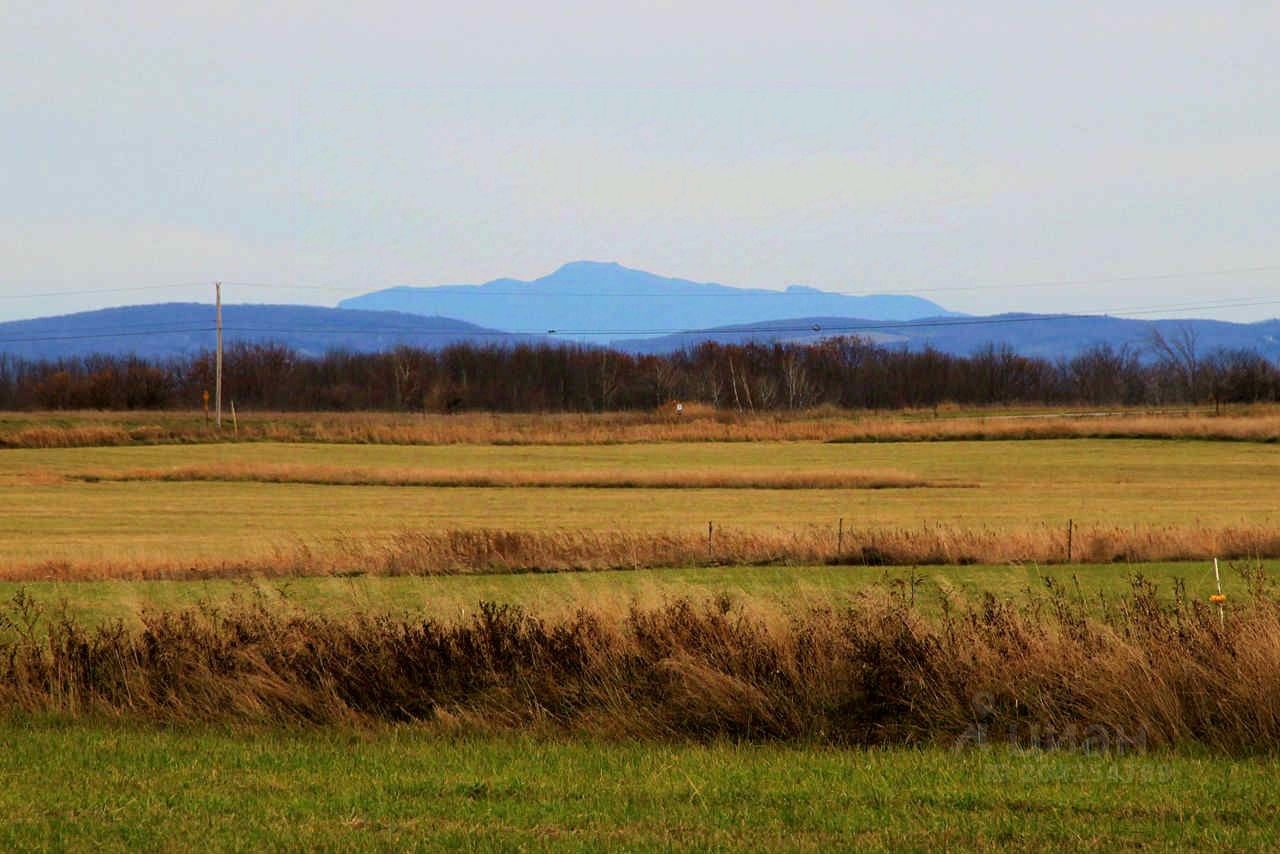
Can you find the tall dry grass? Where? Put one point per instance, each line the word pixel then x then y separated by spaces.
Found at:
pixel 698 424
pixel 90 436
pixel 588 479
pixel 1151 671
pixel 478 551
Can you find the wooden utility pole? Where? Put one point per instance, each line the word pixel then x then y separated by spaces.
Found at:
pixel 217 370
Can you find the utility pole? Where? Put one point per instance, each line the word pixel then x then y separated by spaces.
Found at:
pixel 217 370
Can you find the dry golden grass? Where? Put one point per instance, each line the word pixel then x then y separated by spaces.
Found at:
pixel 697 424
pixel 455 552
pixel 1251 428
pixel 616 479
pixel 1148 672
pixel 83 436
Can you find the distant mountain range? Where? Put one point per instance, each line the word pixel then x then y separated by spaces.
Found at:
pixel 598 304
pixel 177 329
pixel 1048 336
pixel 594 301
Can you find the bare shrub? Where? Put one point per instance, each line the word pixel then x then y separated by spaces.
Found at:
pixel 1153 670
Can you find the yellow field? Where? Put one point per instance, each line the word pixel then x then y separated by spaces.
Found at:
pixel 46 513
pixel 1249 423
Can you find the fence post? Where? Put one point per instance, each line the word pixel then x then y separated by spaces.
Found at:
pixel 1070 536
pixel 710 548
pixel 840 537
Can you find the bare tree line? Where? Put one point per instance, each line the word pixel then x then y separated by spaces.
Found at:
pixel 841 372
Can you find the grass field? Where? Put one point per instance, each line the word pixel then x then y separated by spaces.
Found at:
pixel 83 786
pixel 1018 484
pixel 166 493
pixel 1249 423
pixel 788 589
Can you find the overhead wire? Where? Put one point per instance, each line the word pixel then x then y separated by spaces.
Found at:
pixel 724 331
pixel 94 291
pixel 88 335
pixel 483 290
pixel 730 291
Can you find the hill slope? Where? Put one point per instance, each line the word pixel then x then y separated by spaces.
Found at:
pixel 174 329
pixel 1049 336
pixel 595 301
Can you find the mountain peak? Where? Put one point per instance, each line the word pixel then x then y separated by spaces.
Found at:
pixel 587 267
pixel 606 296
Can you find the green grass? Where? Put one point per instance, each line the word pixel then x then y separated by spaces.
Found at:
pixel 81 786
pixel 789 588
pixel 1021 483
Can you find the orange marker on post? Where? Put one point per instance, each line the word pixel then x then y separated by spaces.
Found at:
pixel 1219 598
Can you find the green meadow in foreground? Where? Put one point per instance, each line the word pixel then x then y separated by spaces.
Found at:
pixel 86 785
pixel 789 587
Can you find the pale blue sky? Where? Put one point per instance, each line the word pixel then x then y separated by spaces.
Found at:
pixel 882 147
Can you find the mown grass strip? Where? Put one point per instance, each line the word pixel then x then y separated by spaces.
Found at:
pixel 507 478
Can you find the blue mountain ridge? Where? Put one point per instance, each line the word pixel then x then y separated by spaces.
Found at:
pixel 178 329
pixel 596 301
pixel 1046 336
pixel 597 304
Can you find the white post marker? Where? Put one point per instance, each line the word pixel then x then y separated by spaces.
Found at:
pixel 1220 597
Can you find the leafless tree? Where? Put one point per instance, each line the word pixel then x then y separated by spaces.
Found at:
pixel 1179 355
pixel 795 380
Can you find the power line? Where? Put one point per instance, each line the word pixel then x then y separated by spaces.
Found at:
pixel 745 328
pixel 391 330
pixel 737 329
pixel 85 336
pixel 481 290
pixel 92 291
pixel 1109 280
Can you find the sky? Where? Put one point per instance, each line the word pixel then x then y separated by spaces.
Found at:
pixel 1055 157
